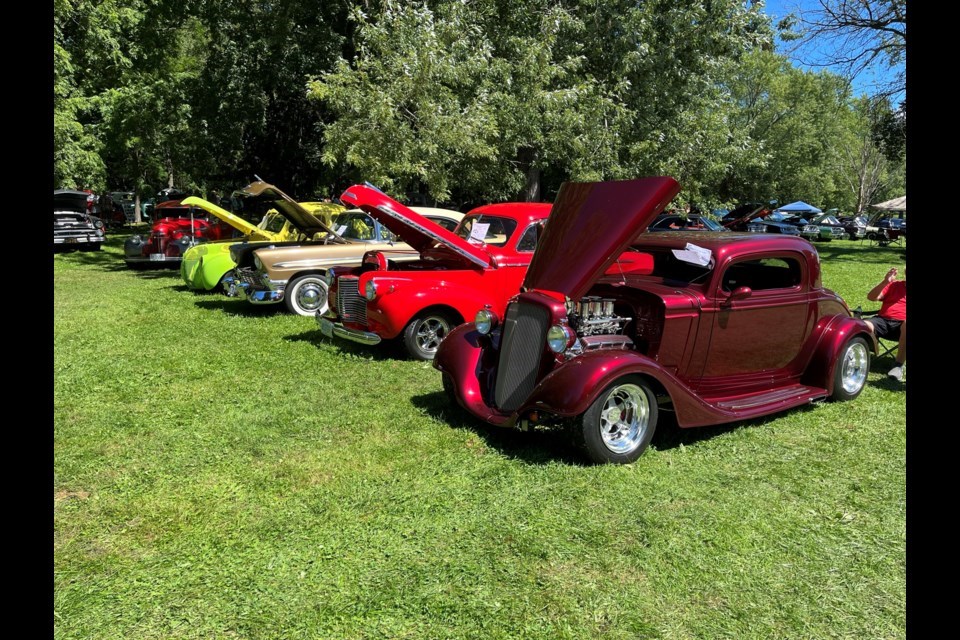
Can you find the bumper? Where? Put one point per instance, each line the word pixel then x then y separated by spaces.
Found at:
pixel 331 329
pixel 78 240
pixel 155 258
pixel 261 296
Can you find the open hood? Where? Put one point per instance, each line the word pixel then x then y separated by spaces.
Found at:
pixel 744 214
pixel 70 200
pixel 590 225
pixel 303 220
pixel 417 231
pixel 233 220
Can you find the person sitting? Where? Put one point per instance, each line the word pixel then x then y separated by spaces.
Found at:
pixel 890 323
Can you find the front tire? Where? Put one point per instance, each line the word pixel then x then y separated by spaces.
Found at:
pixel 852 368
pixel 620 423
pixel 306 295
pixel 424 334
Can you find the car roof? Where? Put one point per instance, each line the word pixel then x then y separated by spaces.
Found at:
pixel 520 211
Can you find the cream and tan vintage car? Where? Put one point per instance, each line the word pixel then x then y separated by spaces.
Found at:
pixel 293 272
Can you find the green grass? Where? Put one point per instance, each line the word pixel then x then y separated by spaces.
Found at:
pixel 221 471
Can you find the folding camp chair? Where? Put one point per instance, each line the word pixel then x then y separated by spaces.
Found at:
pixel 885 346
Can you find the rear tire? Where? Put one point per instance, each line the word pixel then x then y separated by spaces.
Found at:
pixel 853 365
pixel 618 426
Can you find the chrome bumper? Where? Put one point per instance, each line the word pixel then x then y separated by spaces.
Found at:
pixel 161 260
pixel 331 330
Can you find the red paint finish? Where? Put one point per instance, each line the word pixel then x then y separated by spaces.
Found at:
pixel 752 333
pixel 171 221
pixel 454 276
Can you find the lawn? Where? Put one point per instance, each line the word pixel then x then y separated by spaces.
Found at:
pixel 222 471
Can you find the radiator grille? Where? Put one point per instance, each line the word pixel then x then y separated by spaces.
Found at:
pixel 351 307
pixel 249 276
pixel 524 337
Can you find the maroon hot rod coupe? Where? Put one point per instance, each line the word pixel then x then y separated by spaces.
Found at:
pixel 480 263
pixel 713 327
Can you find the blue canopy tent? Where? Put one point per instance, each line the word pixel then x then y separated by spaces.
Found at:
pixel 799 207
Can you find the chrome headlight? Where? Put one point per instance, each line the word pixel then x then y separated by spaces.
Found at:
pixel 811 229
pixel 257 264
pixel 558 337
pixel 329 277
pixel 370 290
pixel 485 320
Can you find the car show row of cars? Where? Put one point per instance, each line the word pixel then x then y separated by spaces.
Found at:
pixel 541 316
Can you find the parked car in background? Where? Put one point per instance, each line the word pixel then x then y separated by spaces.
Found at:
pixel 205 266
pixel 294 273
pixel 176 227
pixel 479 265
pixel 74 229
pixel 738 218
pixel 886 227
pixel 125 201
pixel 854 226
pixel 830 227
pixel 775 223
pixel 692 222
pixel 713 328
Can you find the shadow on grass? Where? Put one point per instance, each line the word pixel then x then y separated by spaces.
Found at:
pixel 532 447
pixel 237 306
pixel 555 444
pixel 106 260
pixel 386 350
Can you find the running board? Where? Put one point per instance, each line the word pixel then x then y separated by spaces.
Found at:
pixel 783 397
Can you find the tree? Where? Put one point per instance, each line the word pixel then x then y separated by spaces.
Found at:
pixel 855 35
pixel 485 98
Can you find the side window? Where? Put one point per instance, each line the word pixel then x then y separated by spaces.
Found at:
pixel 763 274
pixel 358 227
pixel 528 242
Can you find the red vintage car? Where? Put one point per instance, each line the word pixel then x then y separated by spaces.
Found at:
pixel 711 327
pixel 479 264
pixel 175 229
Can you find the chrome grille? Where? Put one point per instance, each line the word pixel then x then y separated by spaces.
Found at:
pixel 249 276
pixel 524 337
pixel 351 307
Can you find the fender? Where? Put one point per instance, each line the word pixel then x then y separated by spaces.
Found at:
pixel 834 332
pixel 394 310
pixel 458 360
pixel 571 388
pixel 215 265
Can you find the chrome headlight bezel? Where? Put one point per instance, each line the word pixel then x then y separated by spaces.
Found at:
pixel 329 277
pixel 257 264
pixel 370 290
pixel 485 321
pixel 559 337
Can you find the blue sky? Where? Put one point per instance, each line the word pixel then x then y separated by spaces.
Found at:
pixel 864 83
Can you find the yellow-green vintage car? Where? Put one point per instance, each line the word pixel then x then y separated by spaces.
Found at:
pixel 204 266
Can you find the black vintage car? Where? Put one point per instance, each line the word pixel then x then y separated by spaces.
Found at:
pixel 73 228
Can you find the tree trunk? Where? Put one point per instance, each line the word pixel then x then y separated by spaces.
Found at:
pixel 136 207
pixel 527 158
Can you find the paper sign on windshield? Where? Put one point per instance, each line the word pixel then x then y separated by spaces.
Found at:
pixel 694 255
pixel 341 229
pixel 479 231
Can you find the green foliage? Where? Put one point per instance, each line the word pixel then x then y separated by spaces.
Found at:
pixel 220 470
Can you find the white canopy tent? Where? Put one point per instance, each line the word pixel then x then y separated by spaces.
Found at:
pixel 897 204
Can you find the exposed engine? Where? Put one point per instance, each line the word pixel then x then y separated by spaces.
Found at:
pixel 595 316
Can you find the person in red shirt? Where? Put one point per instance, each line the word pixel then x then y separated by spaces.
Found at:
pixel 890 323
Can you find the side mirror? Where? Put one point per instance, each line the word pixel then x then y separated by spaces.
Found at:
pixel 740 293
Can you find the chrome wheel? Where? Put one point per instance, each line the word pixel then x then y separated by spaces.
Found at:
pixel 624 418
pixel 430 332
pixel 306 296
pixel 854 367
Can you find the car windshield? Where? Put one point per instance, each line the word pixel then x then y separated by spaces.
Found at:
pixel 355 225
pixel 272 221
pixel 827 220
pixel 492 230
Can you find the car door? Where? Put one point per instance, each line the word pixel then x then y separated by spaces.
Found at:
pixel 762 317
